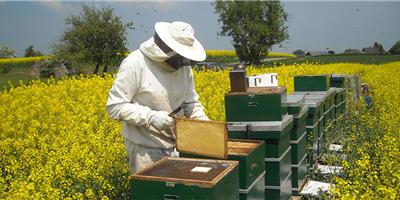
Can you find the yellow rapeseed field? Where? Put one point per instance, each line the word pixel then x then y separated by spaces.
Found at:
pixel 232 53
pixel 57 142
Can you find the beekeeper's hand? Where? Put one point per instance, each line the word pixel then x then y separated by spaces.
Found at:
pixel 160 120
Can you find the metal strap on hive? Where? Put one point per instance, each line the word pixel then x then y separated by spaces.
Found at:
pixel 280 158
pixel 301 161
pixel 301 137
pixel 325 113
pixel 274 187
pixel 321 118
pixel 302 112
pixel 245 191
pixel 261 126
pixel 340 104
pixel 313 126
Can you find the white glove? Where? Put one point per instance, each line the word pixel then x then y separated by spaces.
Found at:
pixel 160 120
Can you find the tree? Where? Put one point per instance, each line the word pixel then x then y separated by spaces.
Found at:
pixel 95 36
pixel 379 48
pixel 32 52
pixel 6 52
pixel 395 48
pixel 255 26
pixel 299 52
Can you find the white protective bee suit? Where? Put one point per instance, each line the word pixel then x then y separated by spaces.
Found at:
pixel 146 86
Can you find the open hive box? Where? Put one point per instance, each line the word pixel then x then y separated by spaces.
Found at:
pixel 204 138
pixel 187 178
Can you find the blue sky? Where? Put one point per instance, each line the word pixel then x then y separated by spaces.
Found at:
pixel 313 25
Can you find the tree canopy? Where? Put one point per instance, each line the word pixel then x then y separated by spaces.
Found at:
pixel 95 36
pixel 32 52
pixel 6 52
pixel 395 48
pixel 255 26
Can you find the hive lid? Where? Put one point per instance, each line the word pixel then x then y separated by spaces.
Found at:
pixel 199 137
pixel 180 170
pixel 312 103
pixel 295 100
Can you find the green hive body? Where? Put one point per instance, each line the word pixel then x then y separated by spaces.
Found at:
pixel 250 154
pixel 312 83
pixel 171 178
pixel 257 104
pixel 339 80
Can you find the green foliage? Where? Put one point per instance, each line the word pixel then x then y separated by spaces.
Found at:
pixel 32 52
pixel 95 36
pixel 255 26
pixel 395 48
pixel 299 52
pixel 6 52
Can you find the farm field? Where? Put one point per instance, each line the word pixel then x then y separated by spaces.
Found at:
pixel 57 142
pixel 337 58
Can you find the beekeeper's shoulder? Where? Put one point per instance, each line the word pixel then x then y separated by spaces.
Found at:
pixel 134 62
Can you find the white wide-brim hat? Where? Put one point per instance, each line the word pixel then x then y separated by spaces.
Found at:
pixel 179 36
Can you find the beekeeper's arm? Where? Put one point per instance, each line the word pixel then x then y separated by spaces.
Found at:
pixel 192 106
pixel 120 107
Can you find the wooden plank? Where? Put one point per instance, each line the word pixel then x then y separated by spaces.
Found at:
pixel 204 138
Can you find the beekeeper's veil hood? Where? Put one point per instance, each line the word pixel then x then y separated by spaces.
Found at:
pixel 179 37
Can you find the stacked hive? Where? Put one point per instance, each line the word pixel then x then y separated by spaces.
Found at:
pixel 320 98
pixel 298 139
pixel 185 178
pixel 250 154
pixel 340 82
pixel 257 113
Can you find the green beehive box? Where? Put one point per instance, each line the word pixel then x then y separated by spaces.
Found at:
pixel 321 127
pixel 294 103
pixel 312 143
pixel 299 124
pixel 340 95
pixel 315 111
pixel 320 145
pixel 299 173
pixel 249 153
pixel 339 80
pixel 275 134
pixel 282 192
pixel 277 169
pixel 187 178
pixel 255 191
pixel 299 148
pixel 256 104
pixel 312 83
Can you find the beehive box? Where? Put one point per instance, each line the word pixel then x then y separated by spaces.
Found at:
pixel 312 82
pixel 282 192
pixel 315 111
pixel 256 104
pixel 339 80
pixel 275 134
pixel 312 142
pixel 299 124
pixel 277 169
pixel 249 153
pixel 294 103
pixel 299 173
pixel 187 178
pixel 340 95
pixel 255 190
pixel 299 148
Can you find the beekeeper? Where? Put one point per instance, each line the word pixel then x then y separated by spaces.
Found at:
pixel 151 83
